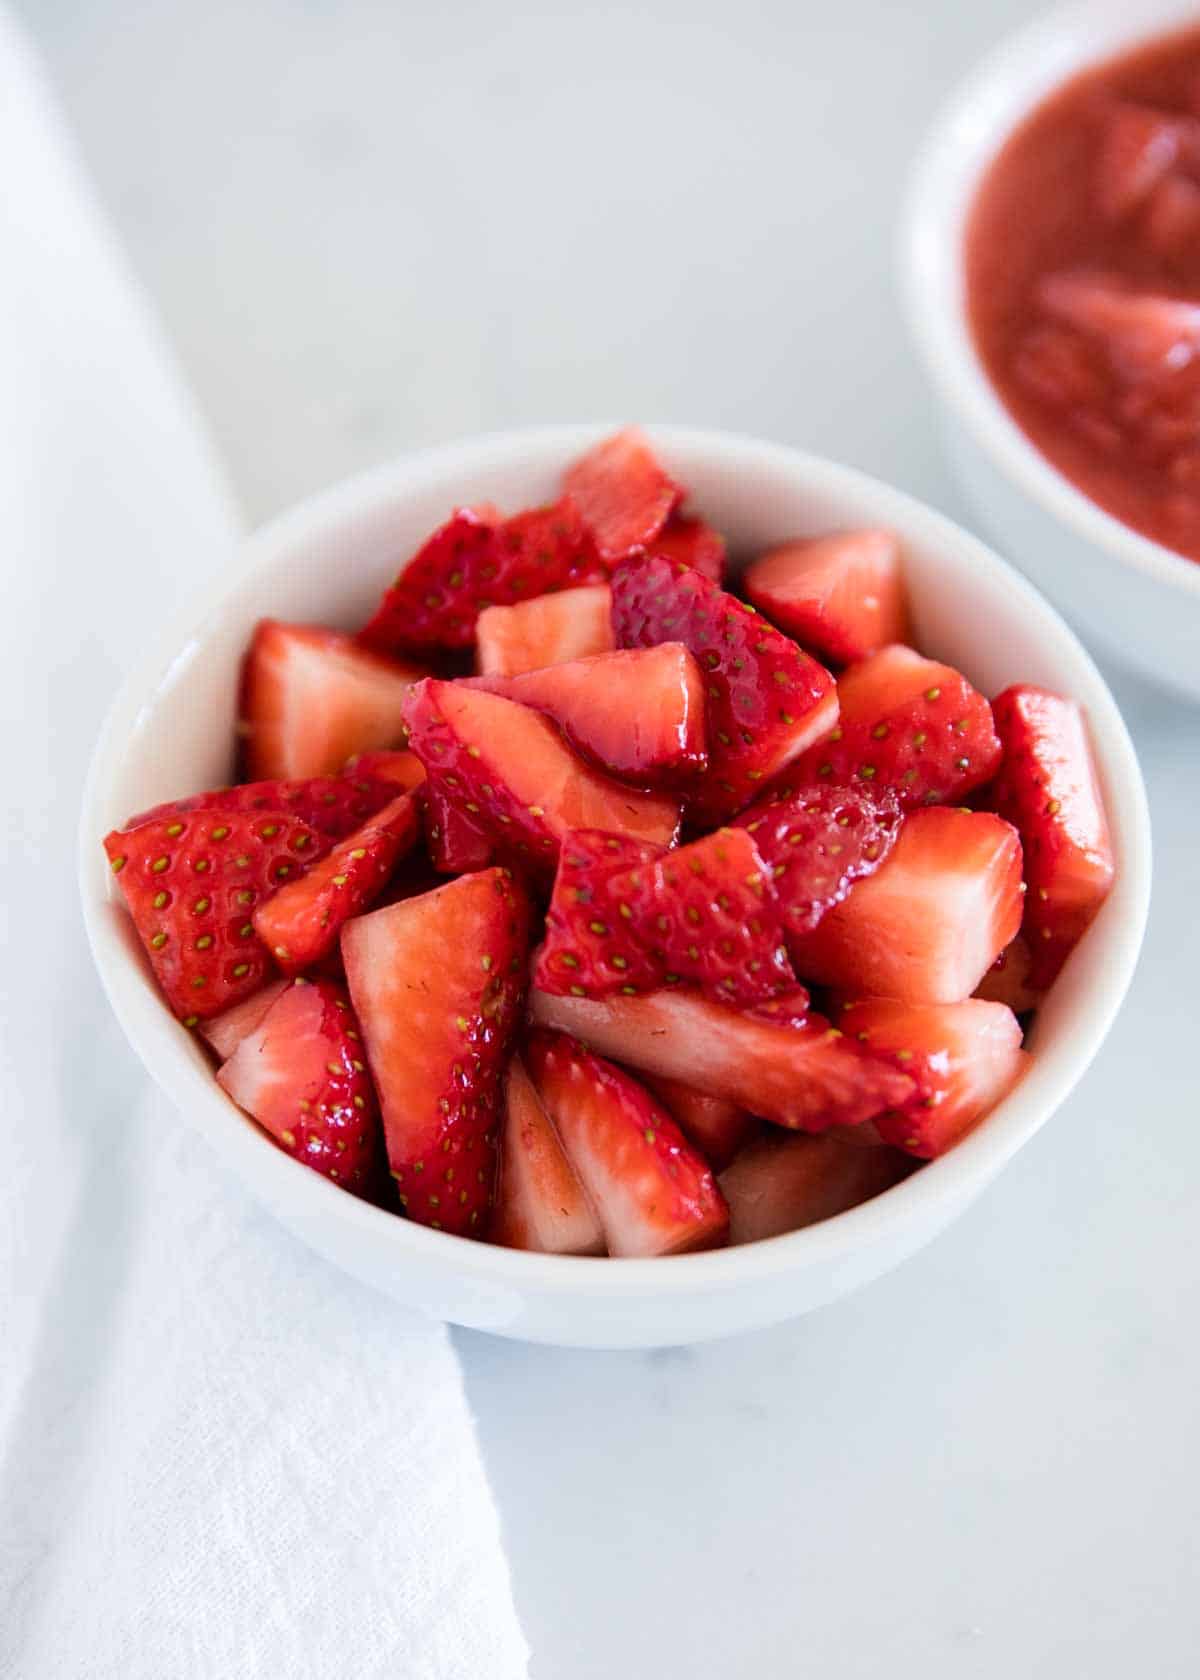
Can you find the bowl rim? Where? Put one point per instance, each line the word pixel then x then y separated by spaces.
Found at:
pixel 969 129
pixel 281 1182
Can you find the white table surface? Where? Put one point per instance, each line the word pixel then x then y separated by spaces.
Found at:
pixel 370 226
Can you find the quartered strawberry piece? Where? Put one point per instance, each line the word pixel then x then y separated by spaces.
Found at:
pixel 402 771
pixel 842 596
pixel 782 1182
pixel 931 920
pixel 639 714
pixel 652 1192
pixel 311 697
pixel 332 805
pixel 227 1030
pixel 963 1057
pixel 507 769
pixel 540 1203
pixel 301 1074
pixel 1047 787
pixel 301 923
pixel 909 724
pixel 767 700
pixel 817 841
pixel 690 542
pixel 705 912
pixel 549 630
pixel 713 1125
pixel 475 561
pixel 623 495
pixel 456 844
pixel 437 983
pixel 1009 981
pixel 808 1077
pixel 192 882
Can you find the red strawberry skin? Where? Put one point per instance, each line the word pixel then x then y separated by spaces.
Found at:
pixel 908 724
pixel 301 1074
pixel 403 770
pixel 817 841
pixel 690 542
pixel 623 494
pixel 767 700
pixel 1047 788
pixel 473 562
pixel 549 630
pixel 437 983
pixel 332 805
pixel 807 1077
pixel 841 595
pixel 192 881
pixel 706 912
pixel 457 846
pixel 652 1192
pixel 301 923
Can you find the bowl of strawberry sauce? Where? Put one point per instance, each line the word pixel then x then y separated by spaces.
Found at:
pixel 616 889
pixel 1052 266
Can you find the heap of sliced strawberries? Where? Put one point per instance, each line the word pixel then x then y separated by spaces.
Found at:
pixel 530 954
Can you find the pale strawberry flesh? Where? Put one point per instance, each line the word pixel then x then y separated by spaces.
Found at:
pixel 540 1203
pixel 549 630
pixel 782 1182
pixel 623 494
pixel 224 1032
pixel 841 596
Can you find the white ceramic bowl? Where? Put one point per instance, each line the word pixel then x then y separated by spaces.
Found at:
pixel 1137 599
pixel 170 732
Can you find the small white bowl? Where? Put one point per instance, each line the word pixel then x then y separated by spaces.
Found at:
pixel 170 732
pixel 1137 598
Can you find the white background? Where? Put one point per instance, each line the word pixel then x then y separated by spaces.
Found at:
pixel 369 226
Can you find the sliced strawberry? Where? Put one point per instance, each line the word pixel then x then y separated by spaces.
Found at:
pixel 705 912
pixel 192 881
pixel 652 1192
pixel 713 1125
pixel 782 1182
pixel 301 923
pixel 549 630
pixel 1139 148
pixel 639 714
pixel 1145 334
pixel 1047 786
pixel 931 920
pixel 841 595
pixel 474 561
pixel 767 699
pixel 300 1073
pixel 227 1030
pixel 909 724
pixel 1008 980
pixel 402 770
pixel 963 1058
pixel 540 1203
pixel 311 697
pixel 510 772
pixel 690 542
pixel 818 841
pixel 456 844
pixel 807 1077
pixel 332 805
pixel 623 495
pixel 437 983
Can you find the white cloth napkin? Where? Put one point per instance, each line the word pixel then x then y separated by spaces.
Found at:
pixel 218 1457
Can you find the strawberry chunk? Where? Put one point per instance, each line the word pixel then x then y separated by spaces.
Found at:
pixel 931 920
pixel 402 771
pixel 818 841
pixel 227 1030
pixel 807 1076
pixel 1009 979
pixel 457 845
pixel 706 912
pixel 332 805
pixel 652 1192
pixel 549 630
pixel 311 697
pixel 767 700
pixel 510 771
pixel 690 542
pixel 302 922
pixel 962 1057
pixel 842 596
pixel 782 1181
pixel 192 881
pixel 475 561
pixel 1145 334
pixel 638 714
pixel 1047 787
pixel 437 983
pixel 909 724
pixel 540 1203
pixel 301 1075
pixel 623 495
pixel 713 1125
